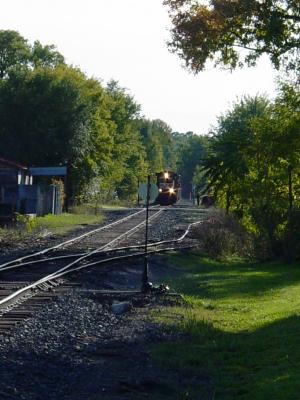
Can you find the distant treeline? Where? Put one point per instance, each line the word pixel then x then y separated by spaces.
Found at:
pixel 51 114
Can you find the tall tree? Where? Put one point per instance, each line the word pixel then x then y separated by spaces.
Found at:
pixel 190 149
pixel 128 153
pixel 218 29
pixel 253 164
pixel 61 120
pixel 45 56
pixel 156 140
pixel 14 51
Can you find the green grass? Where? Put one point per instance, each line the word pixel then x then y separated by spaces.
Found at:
pixel 242 327
pixel 28 228
pixel 95 209
pixel 61 224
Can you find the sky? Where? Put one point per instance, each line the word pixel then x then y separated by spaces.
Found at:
pixel 125 40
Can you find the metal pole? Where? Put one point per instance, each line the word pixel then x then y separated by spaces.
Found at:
pixel 290 190
pixel 138 198
pixel 145 281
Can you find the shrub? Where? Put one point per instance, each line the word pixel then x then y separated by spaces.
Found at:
pixel 25 222
pixel 222 235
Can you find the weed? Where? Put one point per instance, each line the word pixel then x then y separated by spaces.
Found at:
pixel 25 222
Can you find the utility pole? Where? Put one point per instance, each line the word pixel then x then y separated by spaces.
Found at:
pixel 145 280
pixel 290 190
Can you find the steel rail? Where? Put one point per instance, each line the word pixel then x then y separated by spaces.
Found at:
pixel 124 257
pixel 180 239
pixel 66 270
pixel 67 242
pixel 44 260
pixel 57 273
pixel 5 267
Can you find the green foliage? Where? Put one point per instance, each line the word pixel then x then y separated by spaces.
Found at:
pixel 14 51
pixel 66 118
pixel 218 29
pixel 221 236
pixel 45 56
pixel 190 150
pixel 157 140
pixel 25 222
pixel 253 164
pixel 128 151
pixel 58 111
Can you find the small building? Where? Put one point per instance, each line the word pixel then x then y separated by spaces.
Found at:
pixel 12 177
pixel 18 194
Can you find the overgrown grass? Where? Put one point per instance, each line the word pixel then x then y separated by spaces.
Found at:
pixel 28 228
pixel 60 224
pixel 242 327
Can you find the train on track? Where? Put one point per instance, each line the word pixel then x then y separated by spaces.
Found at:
pixel 169 188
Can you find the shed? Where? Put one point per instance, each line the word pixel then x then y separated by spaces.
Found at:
pixel 19 195
pixel 12 176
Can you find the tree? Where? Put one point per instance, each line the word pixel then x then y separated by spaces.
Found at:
pixel 45 56
pixel 253 165
pixel 62 120
pixel 234 149
pixel 190 149
pixel 14 51
pixel 217 30
pixel 128 154
pixel 157 140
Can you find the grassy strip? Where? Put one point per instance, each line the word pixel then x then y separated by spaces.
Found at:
pixel 61 224
pixel 56 224
pixel 96 208
pixel 242 326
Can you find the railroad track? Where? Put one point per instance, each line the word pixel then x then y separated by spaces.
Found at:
pixel 28 282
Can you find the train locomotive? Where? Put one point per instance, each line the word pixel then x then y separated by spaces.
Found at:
pixel 168 184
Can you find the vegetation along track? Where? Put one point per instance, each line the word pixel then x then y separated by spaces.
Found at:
pixel 27 282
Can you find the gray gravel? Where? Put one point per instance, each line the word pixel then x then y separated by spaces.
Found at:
pixel 52 355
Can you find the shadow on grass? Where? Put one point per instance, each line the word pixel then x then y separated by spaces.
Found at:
pixel 251 366
pixel 218 280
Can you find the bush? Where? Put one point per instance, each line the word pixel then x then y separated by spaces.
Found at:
pixel 25 222
pixel 223 236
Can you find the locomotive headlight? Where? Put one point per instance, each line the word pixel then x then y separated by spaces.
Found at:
pixel 166 175
pixel 160 190
pixel 171 190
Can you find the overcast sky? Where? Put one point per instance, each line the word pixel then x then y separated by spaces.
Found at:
pixel 126 40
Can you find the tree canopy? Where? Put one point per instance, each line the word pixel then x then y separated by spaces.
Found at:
pixel 16 52
pixel 66 118
pixel 253 164
pixel 219 29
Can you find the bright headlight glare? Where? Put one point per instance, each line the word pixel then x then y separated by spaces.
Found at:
pixel 166 175
pixel 171 190
pixel 160 190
